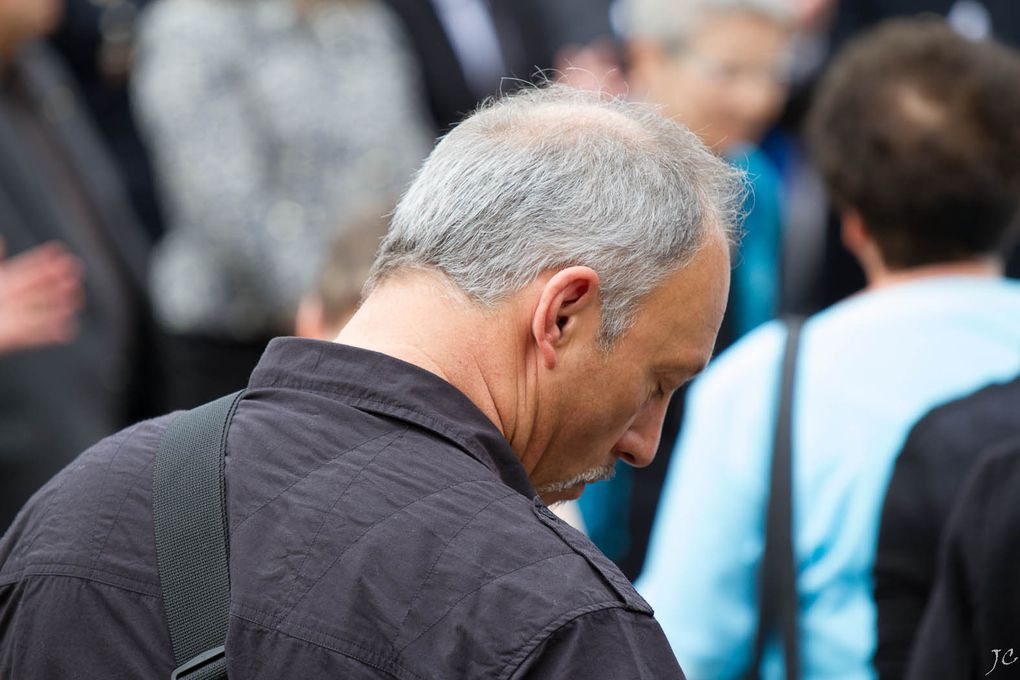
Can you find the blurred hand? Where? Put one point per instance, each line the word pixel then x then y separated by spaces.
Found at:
pixel 40 296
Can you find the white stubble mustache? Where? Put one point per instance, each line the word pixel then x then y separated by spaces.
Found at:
pixel 596 474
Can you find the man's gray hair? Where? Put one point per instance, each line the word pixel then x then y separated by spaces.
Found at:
pixel 673 22
pixel 553 177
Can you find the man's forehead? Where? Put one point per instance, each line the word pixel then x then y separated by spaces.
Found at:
pixel 695 280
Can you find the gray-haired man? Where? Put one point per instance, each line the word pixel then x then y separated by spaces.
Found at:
pixel 558 267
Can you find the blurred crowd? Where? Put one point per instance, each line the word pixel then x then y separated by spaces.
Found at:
pixel 183 180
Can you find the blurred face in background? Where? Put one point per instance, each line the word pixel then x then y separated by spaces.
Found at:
pixel 26 20
pixel 727 83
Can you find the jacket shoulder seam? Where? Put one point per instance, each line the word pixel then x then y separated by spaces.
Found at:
pixel 528 649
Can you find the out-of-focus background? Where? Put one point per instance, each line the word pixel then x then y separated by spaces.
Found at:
pixel 182 180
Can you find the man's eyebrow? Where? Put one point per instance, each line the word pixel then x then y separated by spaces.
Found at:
pixel 683 371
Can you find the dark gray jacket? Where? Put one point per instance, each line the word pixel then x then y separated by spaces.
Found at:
pixel 381 527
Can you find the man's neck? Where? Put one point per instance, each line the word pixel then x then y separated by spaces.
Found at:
pixel 881 277
pixel 432 331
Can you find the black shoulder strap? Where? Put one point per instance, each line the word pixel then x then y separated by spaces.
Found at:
pixel 777 585
pixel 192 548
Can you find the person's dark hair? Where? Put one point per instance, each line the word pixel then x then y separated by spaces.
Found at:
pixel 918 129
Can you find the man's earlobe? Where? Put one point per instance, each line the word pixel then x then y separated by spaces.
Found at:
pixel 546 335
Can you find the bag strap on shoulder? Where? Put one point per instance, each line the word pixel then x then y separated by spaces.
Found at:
pixel 192 540
pixel 777 584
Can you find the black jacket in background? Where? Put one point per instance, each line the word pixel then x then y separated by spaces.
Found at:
pixel 80 40
pixel 940 452
pixel 855 16
pixel 57 183
pixel 521 28
pixel 380 527
pixel 972 625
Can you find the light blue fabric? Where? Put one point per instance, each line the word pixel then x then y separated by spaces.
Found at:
pixel 868 369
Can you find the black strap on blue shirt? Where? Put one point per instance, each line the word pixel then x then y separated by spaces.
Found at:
pixel 192 548
pixel 778 604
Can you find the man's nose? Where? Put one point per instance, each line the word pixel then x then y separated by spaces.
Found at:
pixel 639 443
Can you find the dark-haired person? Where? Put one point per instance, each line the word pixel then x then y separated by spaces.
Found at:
pixel 927 174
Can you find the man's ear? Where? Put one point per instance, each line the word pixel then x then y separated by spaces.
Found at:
pixel 570 295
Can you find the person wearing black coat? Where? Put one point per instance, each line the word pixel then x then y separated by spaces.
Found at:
pixel 941 450
pixel 971 628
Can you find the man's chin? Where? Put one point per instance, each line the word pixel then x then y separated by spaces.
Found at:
pixel 571 493
pixel 572 488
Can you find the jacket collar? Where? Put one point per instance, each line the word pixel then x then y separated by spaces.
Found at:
pixel 382 384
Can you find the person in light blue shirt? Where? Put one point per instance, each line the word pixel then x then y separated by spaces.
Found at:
pixel 928 178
